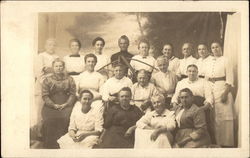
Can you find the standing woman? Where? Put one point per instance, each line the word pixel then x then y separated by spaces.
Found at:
pixel 90 79
pixel 102 59
pixel 43 67
pixel 220 74
pixel 58 92
pixel 204 56
pixel 74 62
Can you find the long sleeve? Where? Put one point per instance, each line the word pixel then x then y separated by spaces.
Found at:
pixel 105 91
pixel 99 122
pixel 170 123
pixel 208 92
pixel 144 121
pixel 39 65
pixel 176 94
pixel 199 125
pixel 72 123
pixel 72 92
pixel 46 92
pixel 229 73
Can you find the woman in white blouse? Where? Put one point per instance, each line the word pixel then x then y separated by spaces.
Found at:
pixel 102 59
pixel 154 128
pixel 219 73
pixel 74 62
pixel 90 79
pixel 85 127
pixel 202 61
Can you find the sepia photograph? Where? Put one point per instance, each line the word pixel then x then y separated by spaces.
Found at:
pixel 162 80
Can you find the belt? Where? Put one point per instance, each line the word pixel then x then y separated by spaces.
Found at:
pixel 217 79
pixel 73 73
pixel 201 76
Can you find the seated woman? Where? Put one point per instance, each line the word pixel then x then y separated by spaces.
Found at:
pixel 58 92
pixel 164 80
pixel 74 62
pixel 119 123
pixel 90 79
pixel 142 91
pixel 85 125
pixel 110 89
pixel 153 129
pixel 192 129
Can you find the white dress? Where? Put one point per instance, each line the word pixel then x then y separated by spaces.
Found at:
pixel 91 81
pixel 113 86
pixel 224 128
pixel 152 119
pixel 74 64
pixel 200 87
pixel 184 63
pixel 81 122
pixel 42 60
pixel 141 94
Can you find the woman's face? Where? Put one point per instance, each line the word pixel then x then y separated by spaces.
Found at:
pixel 186 99
pixel 124 99
pixel 158 105
pixel 216 49
pixel 86 99
pixel 99 46
pixel 50 46
pixel 58 67
pixel 143 49
pixel 119 72
pixel 202 51
pixel 123 44
pixel 90 63
pixel 192 73
pixel 167 51
pixel 162 65
pixel 74 47
pixel 186 50
pixel 142 79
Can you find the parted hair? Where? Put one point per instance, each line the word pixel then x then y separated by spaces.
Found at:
pixel 90 55
pixel 98 39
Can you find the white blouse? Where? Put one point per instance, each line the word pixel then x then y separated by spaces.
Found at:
pixel 154 120
pixel 90 80
pixel 165 82
pixel 200 87
pixel 74 64
pixel 202 64
pixel 102 60
pixel 113 85
pixel 79 121
pixel 219 67
pixel 140 94
pixel 184 63
pixel 44 60
pixel 138 66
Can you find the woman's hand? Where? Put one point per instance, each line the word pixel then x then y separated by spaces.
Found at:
pixel 112 98
pixel 57 106
pixel 154 135
pixel 128 133
pixel 184 141
pixel 81 137
pixel 73 135
pixel 62 106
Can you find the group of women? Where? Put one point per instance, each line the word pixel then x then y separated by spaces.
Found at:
pixel 85 102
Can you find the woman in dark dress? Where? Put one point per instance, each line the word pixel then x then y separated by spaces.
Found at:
pixel 119 123
pixel 58 92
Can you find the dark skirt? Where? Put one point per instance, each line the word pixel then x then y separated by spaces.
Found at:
pixel 55 125
pixel 114 138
